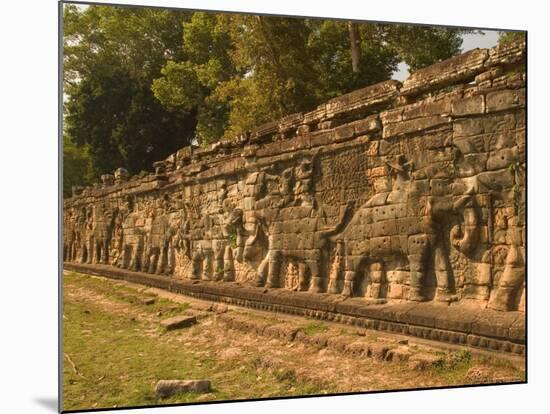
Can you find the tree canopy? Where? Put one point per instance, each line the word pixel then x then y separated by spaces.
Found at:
pixel 241 70
pixel 140 83
pixel 111 57
pixel 507 37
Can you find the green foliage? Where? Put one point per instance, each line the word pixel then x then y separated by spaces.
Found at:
pixel 459 361
pixel 232 239
pixel 260 68
pixel 420 46
pixel 331 47
pixel 111 56
pixel 508 37
pixel 141 83
pixel 191 83
pixel 287 375
pixel 77 166
pixel 267 67
pixel 314 328
pixel 515 166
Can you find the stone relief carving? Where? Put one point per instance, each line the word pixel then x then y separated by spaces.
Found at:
pixel 422 201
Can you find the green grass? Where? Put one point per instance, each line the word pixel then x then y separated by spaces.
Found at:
pixel 454 366
pixel 314 328
pixel 119 292
pixel 119 359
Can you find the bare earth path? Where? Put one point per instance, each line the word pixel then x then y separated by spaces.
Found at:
pixel 115 351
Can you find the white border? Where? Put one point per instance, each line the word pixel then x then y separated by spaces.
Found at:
pixel 29 203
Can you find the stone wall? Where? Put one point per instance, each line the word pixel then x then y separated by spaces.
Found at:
pixel 394 192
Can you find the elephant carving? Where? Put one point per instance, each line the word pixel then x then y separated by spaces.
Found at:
pixel 100 225
pixel 299 233
pixel 213 241
pixel 158 255
pixel 404 224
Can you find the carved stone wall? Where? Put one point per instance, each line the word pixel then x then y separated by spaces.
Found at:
pixel 394 192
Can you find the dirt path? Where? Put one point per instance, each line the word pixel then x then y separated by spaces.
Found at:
pixel 110 333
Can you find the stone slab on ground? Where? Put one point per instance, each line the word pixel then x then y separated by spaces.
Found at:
pixel 167 388
pixel 423 361
pixel 178 322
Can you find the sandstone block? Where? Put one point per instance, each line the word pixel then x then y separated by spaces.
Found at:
pixel 398 354
pixel 503 158
pixel 424 108
pixel 178 322
pixel 167 388
pixel 414 125
pixel 358 348
pixel 506 99
pixel 220 308
pixel 148 301
pixel 447 72
pixel 369 124
pixel 423 361
pixel 378 351
pixel 469 106
pixel 343 133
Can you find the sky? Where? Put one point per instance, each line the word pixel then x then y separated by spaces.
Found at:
pixel 488 39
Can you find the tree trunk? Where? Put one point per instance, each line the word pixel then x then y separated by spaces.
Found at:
pixel 355 41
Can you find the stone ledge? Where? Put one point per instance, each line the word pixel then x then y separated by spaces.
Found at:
pixel 483 328
pixel 393 101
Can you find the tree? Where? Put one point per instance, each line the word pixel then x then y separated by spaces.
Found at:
pixel 278 66
pixel 330 42
pixel 111 56
pixel 256 68
pixel 191 83
pixel 420 46
pixel 355 44
pixel 77 166
pixel 508 37
pixel 142 83
pixel 241 70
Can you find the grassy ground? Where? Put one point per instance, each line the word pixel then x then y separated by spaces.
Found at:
pixel 116 351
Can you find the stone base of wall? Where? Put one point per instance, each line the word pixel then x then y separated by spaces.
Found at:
pixel 456 323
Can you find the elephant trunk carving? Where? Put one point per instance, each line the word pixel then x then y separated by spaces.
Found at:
pixel 465 237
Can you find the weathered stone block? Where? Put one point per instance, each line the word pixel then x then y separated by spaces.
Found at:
pixel 423 361
pixel 384 228
pixel 343 133
pixel 414 125
pixel 378 350
pixel 167 388
pixel 496 180
pixel 424 109
pixel 469 106
pixel 362 98
pixel 488 124
pixel 369 124
pixel 506 54
pixel 456 69
pixel 503 158
pixel 502 100
pixel 489 75
pixel 178 322
pixel 376 172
